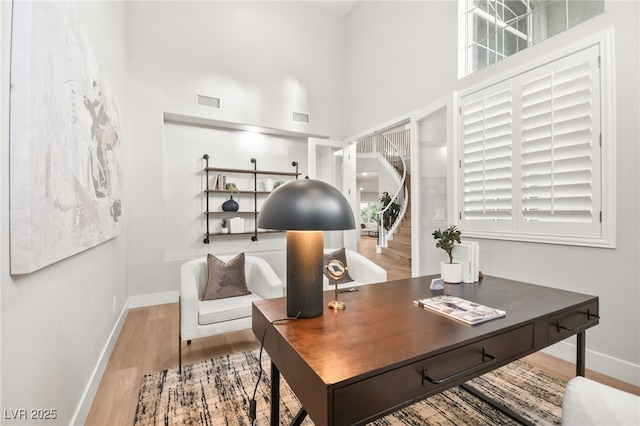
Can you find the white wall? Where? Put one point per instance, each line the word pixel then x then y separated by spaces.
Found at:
pixel 399 58
pixel 369 197
pixel 57 321
pixel 262 59
pixel 425 50
pixel 387 181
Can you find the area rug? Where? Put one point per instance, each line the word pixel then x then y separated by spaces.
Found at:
pixel 218 391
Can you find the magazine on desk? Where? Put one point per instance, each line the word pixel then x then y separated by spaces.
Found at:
pixel 460 309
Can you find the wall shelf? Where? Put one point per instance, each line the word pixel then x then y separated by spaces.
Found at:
pixel 214 214
pixel 231 234
pixel 248 171
pixel 242 191
pixel 223 213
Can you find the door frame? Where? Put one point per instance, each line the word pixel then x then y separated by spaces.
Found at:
pixel 348 178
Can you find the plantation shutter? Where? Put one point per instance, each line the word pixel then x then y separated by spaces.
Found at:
pixel 530 153
pixel 486 171
pixel 560 145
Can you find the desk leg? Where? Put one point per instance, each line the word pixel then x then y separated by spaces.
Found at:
pixel 580 353
pixel 297 421
pixel 497 405
pixel 275 395
pixel 275 401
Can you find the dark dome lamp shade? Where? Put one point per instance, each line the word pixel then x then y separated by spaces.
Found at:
pixel 305 208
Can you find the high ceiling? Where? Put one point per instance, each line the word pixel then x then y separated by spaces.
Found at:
pixel 340 8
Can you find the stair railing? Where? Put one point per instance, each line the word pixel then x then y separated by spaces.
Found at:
pixel 389 149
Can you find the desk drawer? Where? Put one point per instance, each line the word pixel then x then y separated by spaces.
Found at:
pixel 573 321
pixel 393 389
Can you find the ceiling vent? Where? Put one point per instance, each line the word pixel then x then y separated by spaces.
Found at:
pixel 207 101
pixel 300 117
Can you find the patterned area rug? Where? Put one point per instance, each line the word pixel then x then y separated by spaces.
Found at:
pixel 217 392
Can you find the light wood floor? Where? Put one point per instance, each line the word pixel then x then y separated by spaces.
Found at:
pixel 149 343
pixel 395 270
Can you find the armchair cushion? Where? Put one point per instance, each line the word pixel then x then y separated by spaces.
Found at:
pixel 225 279
pixel 342 257
pixel 220 310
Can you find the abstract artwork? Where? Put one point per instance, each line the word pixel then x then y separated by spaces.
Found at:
pixel 65 174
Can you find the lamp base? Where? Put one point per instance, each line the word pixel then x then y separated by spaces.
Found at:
pixel 337 305
pixel 304 273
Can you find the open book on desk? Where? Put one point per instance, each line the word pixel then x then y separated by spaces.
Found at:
pixel 460 309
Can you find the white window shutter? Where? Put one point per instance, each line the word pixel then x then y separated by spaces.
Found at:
pixel 560 152
pixel 486 121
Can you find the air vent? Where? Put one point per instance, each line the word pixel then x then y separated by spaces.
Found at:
pixel 207 101
pixel 300 117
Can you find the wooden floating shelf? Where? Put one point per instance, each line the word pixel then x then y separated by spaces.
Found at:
pixel 222 212
pixel 248 171
pixel 217 234
pixel 240 191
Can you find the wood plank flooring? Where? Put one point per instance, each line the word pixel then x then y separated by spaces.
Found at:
pixel 395 270
pixel 149 343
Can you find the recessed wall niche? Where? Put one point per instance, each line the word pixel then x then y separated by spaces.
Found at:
pixel 229 145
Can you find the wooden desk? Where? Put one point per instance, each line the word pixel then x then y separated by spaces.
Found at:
pixel 383 353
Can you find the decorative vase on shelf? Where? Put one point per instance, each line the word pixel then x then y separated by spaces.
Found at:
pixel 230 205
pixel 237 225
pixel 451 272
pixel 268 185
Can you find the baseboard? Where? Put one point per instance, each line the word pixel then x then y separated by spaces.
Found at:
pixel 153 299
pixel 595 361
pixel 82 411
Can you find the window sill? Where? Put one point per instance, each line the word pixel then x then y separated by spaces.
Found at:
pixel 597 242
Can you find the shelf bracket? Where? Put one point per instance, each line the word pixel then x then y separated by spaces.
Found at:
pixel 254 237
pixel 206 168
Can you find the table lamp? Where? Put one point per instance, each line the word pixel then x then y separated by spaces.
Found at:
pixel 305 208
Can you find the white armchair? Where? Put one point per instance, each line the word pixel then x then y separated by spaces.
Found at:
pixel 201 318
pixel 361 269
pixel 589 403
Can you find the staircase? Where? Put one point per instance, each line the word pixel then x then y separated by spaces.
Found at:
pixel 399 249
pixel 393 145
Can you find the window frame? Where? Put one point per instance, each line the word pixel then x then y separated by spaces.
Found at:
pixel 607 236
pixel 495 16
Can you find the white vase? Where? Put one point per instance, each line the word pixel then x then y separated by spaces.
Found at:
pixel 237 225
pixel 451 272
pixel 268 185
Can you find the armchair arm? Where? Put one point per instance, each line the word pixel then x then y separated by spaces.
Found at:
pixel 261 279
pixel 587 403
pixel 189 285
pixel 363 270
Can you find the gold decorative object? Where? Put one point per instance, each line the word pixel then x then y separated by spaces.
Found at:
pixel 336 270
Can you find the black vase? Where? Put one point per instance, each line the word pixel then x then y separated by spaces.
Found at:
pixel 230 205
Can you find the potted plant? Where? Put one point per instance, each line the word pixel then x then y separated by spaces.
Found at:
pixel 451 272
pixel 391 214
pixel 223 225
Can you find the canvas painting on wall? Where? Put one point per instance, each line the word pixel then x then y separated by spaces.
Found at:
pixel 65 183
